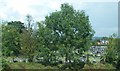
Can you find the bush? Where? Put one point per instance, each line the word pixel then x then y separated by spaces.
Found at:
pixel 118 64
pixel 5 66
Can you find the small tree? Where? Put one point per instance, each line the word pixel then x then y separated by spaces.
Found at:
pixel 28 45
pixel 28 41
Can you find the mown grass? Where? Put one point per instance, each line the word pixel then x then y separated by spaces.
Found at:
pixel 99 66
pixel 22 65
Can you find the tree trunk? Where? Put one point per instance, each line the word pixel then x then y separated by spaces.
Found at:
pixel 30 59
pixel 66 57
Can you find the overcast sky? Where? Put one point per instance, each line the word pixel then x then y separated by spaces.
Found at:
pixel 103 14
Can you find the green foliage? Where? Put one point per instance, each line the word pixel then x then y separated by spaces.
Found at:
pixel 71 28
pixel 118 51
pixel 10 38
pixel 112 53
pixel 28 45
pixel 64 34
pixel 19 26
pixel 28 41
pixel 5 65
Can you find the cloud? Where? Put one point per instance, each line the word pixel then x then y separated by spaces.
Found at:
pixel 33 7
pixel 102 13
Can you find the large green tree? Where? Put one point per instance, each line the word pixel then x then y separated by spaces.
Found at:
pixel 69 30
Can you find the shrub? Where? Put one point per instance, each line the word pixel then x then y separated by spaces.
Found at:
pixel 5 66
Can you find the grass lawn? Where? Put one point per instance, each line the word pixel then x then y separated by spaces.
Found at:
pixel 22 65
pixel 99 66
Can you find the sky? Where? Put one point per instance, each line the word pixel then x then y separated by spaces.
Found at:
pixel 103 14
